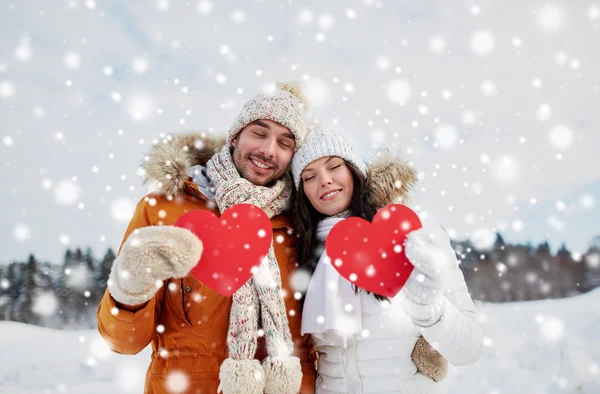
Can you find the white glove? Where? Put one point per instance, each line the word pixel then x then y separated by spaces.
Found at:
pixel 429 250
pixel 149 256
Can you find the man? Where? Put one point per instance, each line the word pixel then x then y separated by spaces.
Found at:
pixel 203 342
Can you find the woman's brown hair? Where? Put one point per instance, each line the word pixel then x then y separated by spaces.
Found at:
pixel 307 218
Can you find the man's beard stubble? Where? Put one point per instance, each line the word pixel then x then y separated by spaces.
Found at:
pixel 242 164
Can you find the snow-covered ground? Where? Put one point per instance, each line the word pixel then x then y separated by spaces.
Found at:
pixel 539 347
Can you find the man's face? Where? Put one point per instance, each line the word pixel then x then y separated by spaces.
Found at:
pixel 262 151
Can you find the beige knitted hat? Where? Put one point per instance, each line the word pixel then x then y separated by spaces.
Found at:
pixel 287 106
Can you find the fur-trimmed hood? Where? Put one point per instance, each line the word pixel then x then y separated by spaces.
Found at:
pixel 389 180
pixel 389 177
pixel 167 165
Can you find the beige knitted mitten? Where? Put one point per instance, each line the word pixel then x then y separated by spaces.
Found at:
pixel 149 256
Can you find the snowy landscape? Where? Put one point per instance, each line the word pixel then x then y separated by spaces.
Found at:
pixel 535 347
pixel 494 103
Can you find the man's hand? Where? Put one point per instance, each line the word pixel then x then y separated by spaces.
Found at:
pixel 149 256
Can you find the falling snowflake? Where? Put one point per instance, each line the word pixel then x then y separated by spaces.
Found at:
pixel 469 117
pixel 552 328
pixel 587 201
pixel 220 78
pixel 122 209
pixel 555 223
pixel 475 10
pixel 326 21
pixel 39 112
pixel 517 42
pixel 317 92
pixel 437 45
pixel 501 267
pixel 483 238
pixel 543 112
pixel 561 137
pixel 66 193
pixel 7 89
pixel 550 18
pixel 593 260
pixel 23 52
pixel 21 232
pixel 79 278
pixel 488 88
pixel 72 60
pixel 446 136
pixel 45 303
pixel 163 5
pixel 370 271
pixel 593 12
pixel 139 65
pixel 482 43
pixel 517 225
pixel 205 7
pixel 130 377
pixel 379 137
pixel 399 91
pixel 177 382
pixel 140 106
pixel 383 63
pixel 561 58
pixel 305 17
pixel 238 16
pixel 505 169
pixel 99 349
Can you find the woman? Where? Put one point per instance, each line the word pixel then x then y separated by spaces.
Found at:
pixel 368 343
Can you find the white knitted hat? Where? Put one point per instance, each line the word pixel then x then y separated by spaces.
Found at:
pixel 323 142
pixel 287 106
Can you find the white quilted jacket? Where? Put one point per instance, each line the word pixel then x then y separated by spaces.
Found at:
pixel 378 359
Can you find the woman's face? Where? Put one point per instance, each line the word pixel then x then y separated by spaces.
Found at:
pixel 328 185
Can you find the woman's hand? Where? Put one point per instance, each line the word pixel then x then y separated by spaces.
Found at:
pixel 429 250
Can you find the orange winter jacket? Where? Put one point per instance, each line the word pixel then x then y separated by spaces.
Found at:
pixel 195 318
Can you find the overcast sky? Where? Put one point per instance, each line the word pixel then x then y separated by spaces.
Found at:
pixel 497 104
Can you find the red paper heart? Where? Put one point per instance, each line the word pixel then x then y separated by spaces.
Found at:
pixel 233 245
pixel 371 255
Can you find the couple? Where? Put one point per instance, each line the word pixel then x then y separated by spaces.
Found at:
pixel 266 338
